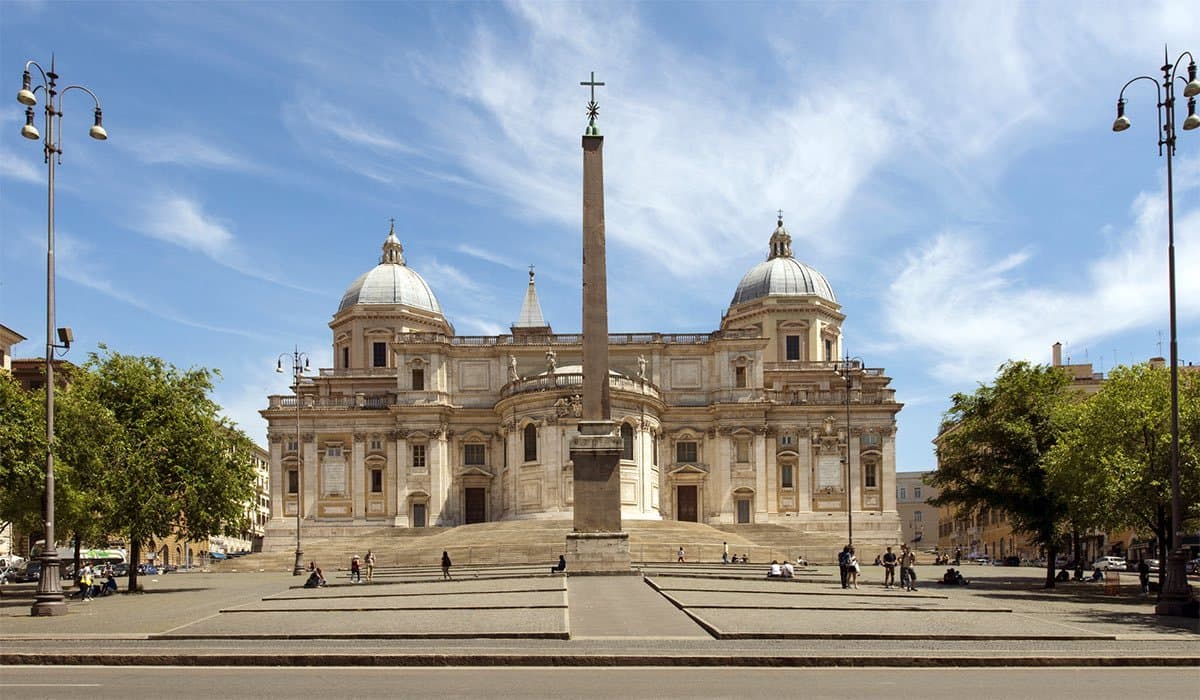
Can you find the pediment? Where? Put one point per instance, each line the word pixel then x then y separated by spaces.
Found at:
pixel 476 471
pixel 688 469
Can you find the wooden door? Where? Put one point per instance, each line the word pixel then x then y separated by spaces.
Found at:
pixel 685 503
pixel 743 510
pixel 476 505
pixel 418 512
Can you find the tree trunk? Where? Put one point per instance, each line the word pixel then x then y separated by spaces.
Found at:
pixel 76 559
pixel 1051 555
pixel 1161 534
pixel 1076 545
pixel 135 557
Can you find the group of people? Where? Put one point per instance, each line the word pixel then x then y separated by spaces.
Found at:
pixel 906 562
pixel 90 585
pixel 953 577
pixel 726 557
pixel 784 570
pixel 356 567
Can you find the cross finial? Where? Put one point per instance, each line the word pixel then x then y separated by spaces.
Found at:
pixel 531 274
pixel 780 212
pixel 392 225
pixel 593 106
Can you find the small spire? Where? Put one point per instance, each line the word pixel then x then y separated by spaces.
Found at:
pixel 393 252
pixel 531 309
pixel 781 240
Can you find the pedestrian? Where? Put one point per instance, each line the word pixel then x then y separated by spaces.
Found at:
pixel 85 585
pixel 370 561
pixel 852 570
pixel 889 569
pixel 681 554
pixel 843 559
pixel 908 575
pixel 561 566
pixel 446 565
pixel 1144 576
pixel 724 552
pixel 355 569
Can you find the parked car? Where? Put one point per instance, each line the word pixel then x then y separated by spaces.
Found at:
pixel 983 561
pixel 31 572
pixel 1193 566
pixel 1108 563
pixel 1012 561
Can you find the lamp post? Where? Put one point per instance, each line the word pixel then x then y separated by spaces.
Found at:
pixel 49 597
pixel 843 368
pixel 299 362
pixel 1176 597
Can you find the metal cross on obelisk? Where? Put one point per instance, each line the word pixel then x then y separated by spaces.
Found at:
pixel 597 543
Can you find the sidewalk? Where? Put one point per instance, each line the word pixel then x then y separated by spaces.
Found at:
pixel 677 615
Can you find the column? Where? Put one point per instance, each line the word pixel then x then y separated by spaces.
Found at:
pixel 804 467
pixel 772 485
pixel 278 483
pixel 887 471
pixel 398 458
pixel 358 467
pixel 308 476
pixel 763 479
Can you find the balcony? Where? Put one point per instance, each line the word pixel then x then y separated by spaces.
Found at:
pixel 574 382
pixel 359 372
pixel 572 339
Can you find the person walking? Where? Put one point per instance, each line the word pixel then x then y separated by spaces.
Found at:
pixel 908 575
pixel 889 569
pixel 852 570
pixel 1144 576
pixel 681 554
pixel 446 565
pixel 724 552
pixel 370 561
pixel 843 559
pixel 355 569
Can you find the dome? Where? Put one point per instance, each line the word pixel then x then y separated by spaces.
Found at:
pixel 782 275
pixel 391 282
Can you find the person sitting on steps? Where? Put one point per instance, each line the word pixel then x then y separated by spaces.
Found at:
pixel 561 566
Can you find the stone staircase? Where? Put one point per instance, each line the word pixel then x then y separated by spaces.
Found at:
pixel 533 541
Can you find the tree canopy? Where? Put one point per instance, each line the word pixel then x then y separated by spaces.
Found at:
pixel 1112 463
pixel 993 449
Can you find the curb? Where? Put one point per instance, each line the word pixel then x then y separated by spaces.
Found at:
pixel 580 660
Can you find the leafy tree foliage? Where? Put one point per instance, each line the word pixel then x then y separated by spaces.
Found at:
pixel 993 450
pixel 172 464
pixel 22 455
pixel 1112 464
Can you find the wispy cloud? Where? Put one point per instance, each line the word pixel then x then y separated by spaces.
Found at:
pixel 971 312
pixel 75 262
pixel 186 150
pixel 22 169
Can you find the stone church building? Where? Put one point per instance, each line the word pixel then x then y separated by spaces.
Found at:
pixel 415 426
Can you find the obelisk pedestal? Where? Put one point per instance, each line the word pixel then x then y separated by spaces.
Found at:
pixel 597 544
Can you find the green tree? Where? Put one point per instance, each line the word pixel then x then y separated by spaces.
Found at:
pixel 172 464
pixel 993 448
pixel 1112 464
pixel 22 455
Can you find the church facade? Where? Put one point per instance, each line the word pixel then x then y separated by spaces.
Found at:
pixel 416 426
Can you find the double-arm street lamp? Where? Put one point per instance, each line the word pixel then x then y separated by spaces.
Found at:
pixel 299 362
pixel 1176 596
pixel 844 368
pixel 49 597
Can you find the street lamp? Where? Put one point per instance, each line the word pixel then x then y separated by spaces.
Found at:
pixel 1176 597
pixel 844 369
pixel 49 597
pixel 299 362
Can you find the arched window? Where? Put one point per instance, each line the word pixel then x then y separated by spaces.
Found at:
pixel 530 443
pixel 626 441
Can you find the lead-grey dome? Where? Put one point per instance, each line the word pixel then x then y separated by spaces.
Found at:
pixel 782 275
pixel 391 282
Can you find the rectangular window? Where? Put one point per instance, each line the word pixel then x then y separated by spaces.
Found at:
pixel 379 354
pixel 418 456
pixel 376 481
pixel 903 493
pixel 917 516
pixel 828 349
pixel 473 455
pixel 333 451
pixel 376 444
pixel 870 440
pixel 293 481
pixel 785 476
pixel 869 476
pixel 654 451
pixel 685 452
pixel 739 377
pixel 786 440
pixel 917 492
pixel 291 445
pixel 792 345
pixel 345 357
pixel 742 450
pixel 418 380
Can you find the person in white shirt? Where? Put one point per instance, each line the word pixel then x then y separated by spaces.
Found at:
pixel 788 570
pixel 775 571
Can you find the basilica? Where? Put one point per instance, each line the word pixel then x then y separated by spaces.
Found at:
pixel 415 426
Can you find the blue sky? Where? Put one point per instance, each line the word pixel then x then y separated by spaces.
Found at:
pixel 949 167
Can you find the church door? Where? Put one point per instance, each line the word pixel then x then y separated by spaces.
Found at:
pixel 685 503
pixel 418 515
pixel 743 510
pixel 476 505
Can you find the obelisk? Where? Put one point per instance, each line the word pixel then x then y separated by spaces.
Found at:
pixel 597 543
